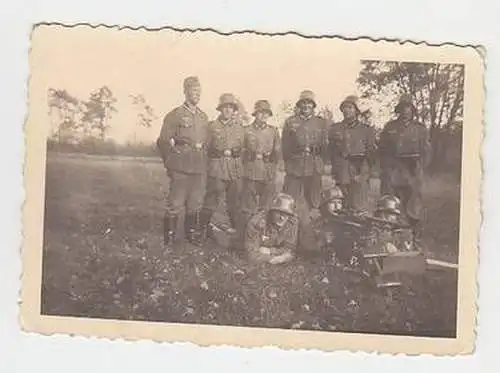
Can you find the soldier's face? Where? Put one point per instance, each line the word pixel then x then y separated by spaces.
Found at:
pixel 407 112
pixel 307 107
pixel 227 112
pixel 262 116
pixel 334 207
pixel 279 219
pixel 193 94
pixel 349 111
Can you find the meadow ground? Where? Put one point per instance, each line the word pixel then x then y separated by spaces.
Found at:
pixel 103 258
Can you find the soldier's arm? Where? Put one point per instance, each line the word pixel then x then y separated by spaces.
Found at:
pixel 286 141
pixel 164 139
pixel 371 146
pixel 325 149
pixel 292 236
pixel 277 153
pixel 426 147
pixel 383 146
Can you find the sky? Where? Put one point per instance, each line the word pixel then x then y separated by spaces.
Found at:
pixel 252 67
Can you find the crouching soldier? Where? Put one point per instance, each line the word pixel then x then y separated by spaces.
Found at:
pixel 225 167
pixel 271 235
pixel 260 161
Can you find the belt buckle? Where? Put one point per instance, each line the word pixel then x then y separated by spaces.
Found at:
pixel 227 153
pixel 258 156
pixel 198 145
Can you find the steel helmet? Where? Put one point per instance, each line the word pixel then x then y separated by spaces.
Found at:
pixel 331 194
pixel 284 203
pixel 389 203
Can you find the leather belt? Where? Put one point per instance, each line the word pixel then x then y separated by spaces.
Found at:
pixel 185 142
pixel 226 153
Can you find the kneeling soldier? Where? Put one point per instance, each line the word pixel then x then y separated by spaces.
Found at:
pixel 260 160
pixel 272 235
pixel 225 143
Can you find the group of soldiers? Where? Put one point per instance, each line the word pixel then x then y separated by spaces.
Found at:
pixel 222 160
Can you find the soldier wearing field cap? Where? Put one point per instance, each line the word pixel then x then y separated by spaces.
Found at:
pixel 404 149
pixel 261 156
pixel 304 149
pixel 182 145
pixel 271 235
pixel 225 167
pixel 352 146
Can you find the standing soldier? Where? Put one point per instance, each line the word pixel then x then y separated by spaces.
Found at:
pixel 404 153
pixel 304 147
pixel 182 147
pixel 261 156
pixel 352 150
pixel 225 168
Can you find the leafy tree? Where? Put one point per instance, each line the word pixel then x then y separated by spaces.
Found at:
pixel 437 91
pixel 65 111
pixel 146 114
pixel 98 111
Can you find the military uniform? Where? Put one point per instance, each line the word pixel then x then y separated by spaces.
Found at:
pixel 182 144
pixel 304 148
pixel 225 166
pixel 352 148
pixel 404 151
pixel 262 151
pixel 262 233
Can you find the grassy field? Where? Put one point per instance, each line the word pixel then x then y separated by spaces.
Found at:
pixel 103 258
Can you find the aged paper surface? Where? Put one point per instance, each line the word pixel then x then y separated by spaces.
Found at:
pixel 94 261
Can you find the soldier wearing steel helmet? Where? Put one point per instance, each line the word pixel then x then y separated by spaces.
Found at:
pixel 352 146
pixel 182 145
pixel 225 166
pixel 271 235
pixel 262 152
pixel 405 151
pixel 304 149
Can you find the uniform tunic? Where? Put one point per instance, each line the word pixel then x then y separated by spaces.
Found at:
pixel 404 151
pixel 261 232
pixel 182 144
pixel 304 147
pixel 352 147
pixel 225 167
pixel 262 151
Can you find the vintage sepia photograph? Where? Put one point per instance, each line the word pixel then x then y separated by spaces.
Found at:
pixel 251 190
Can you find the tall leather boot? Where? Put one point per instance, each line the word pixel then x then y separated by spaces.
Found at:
pixel 169 228
pixel 204 230
pixel 191 227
